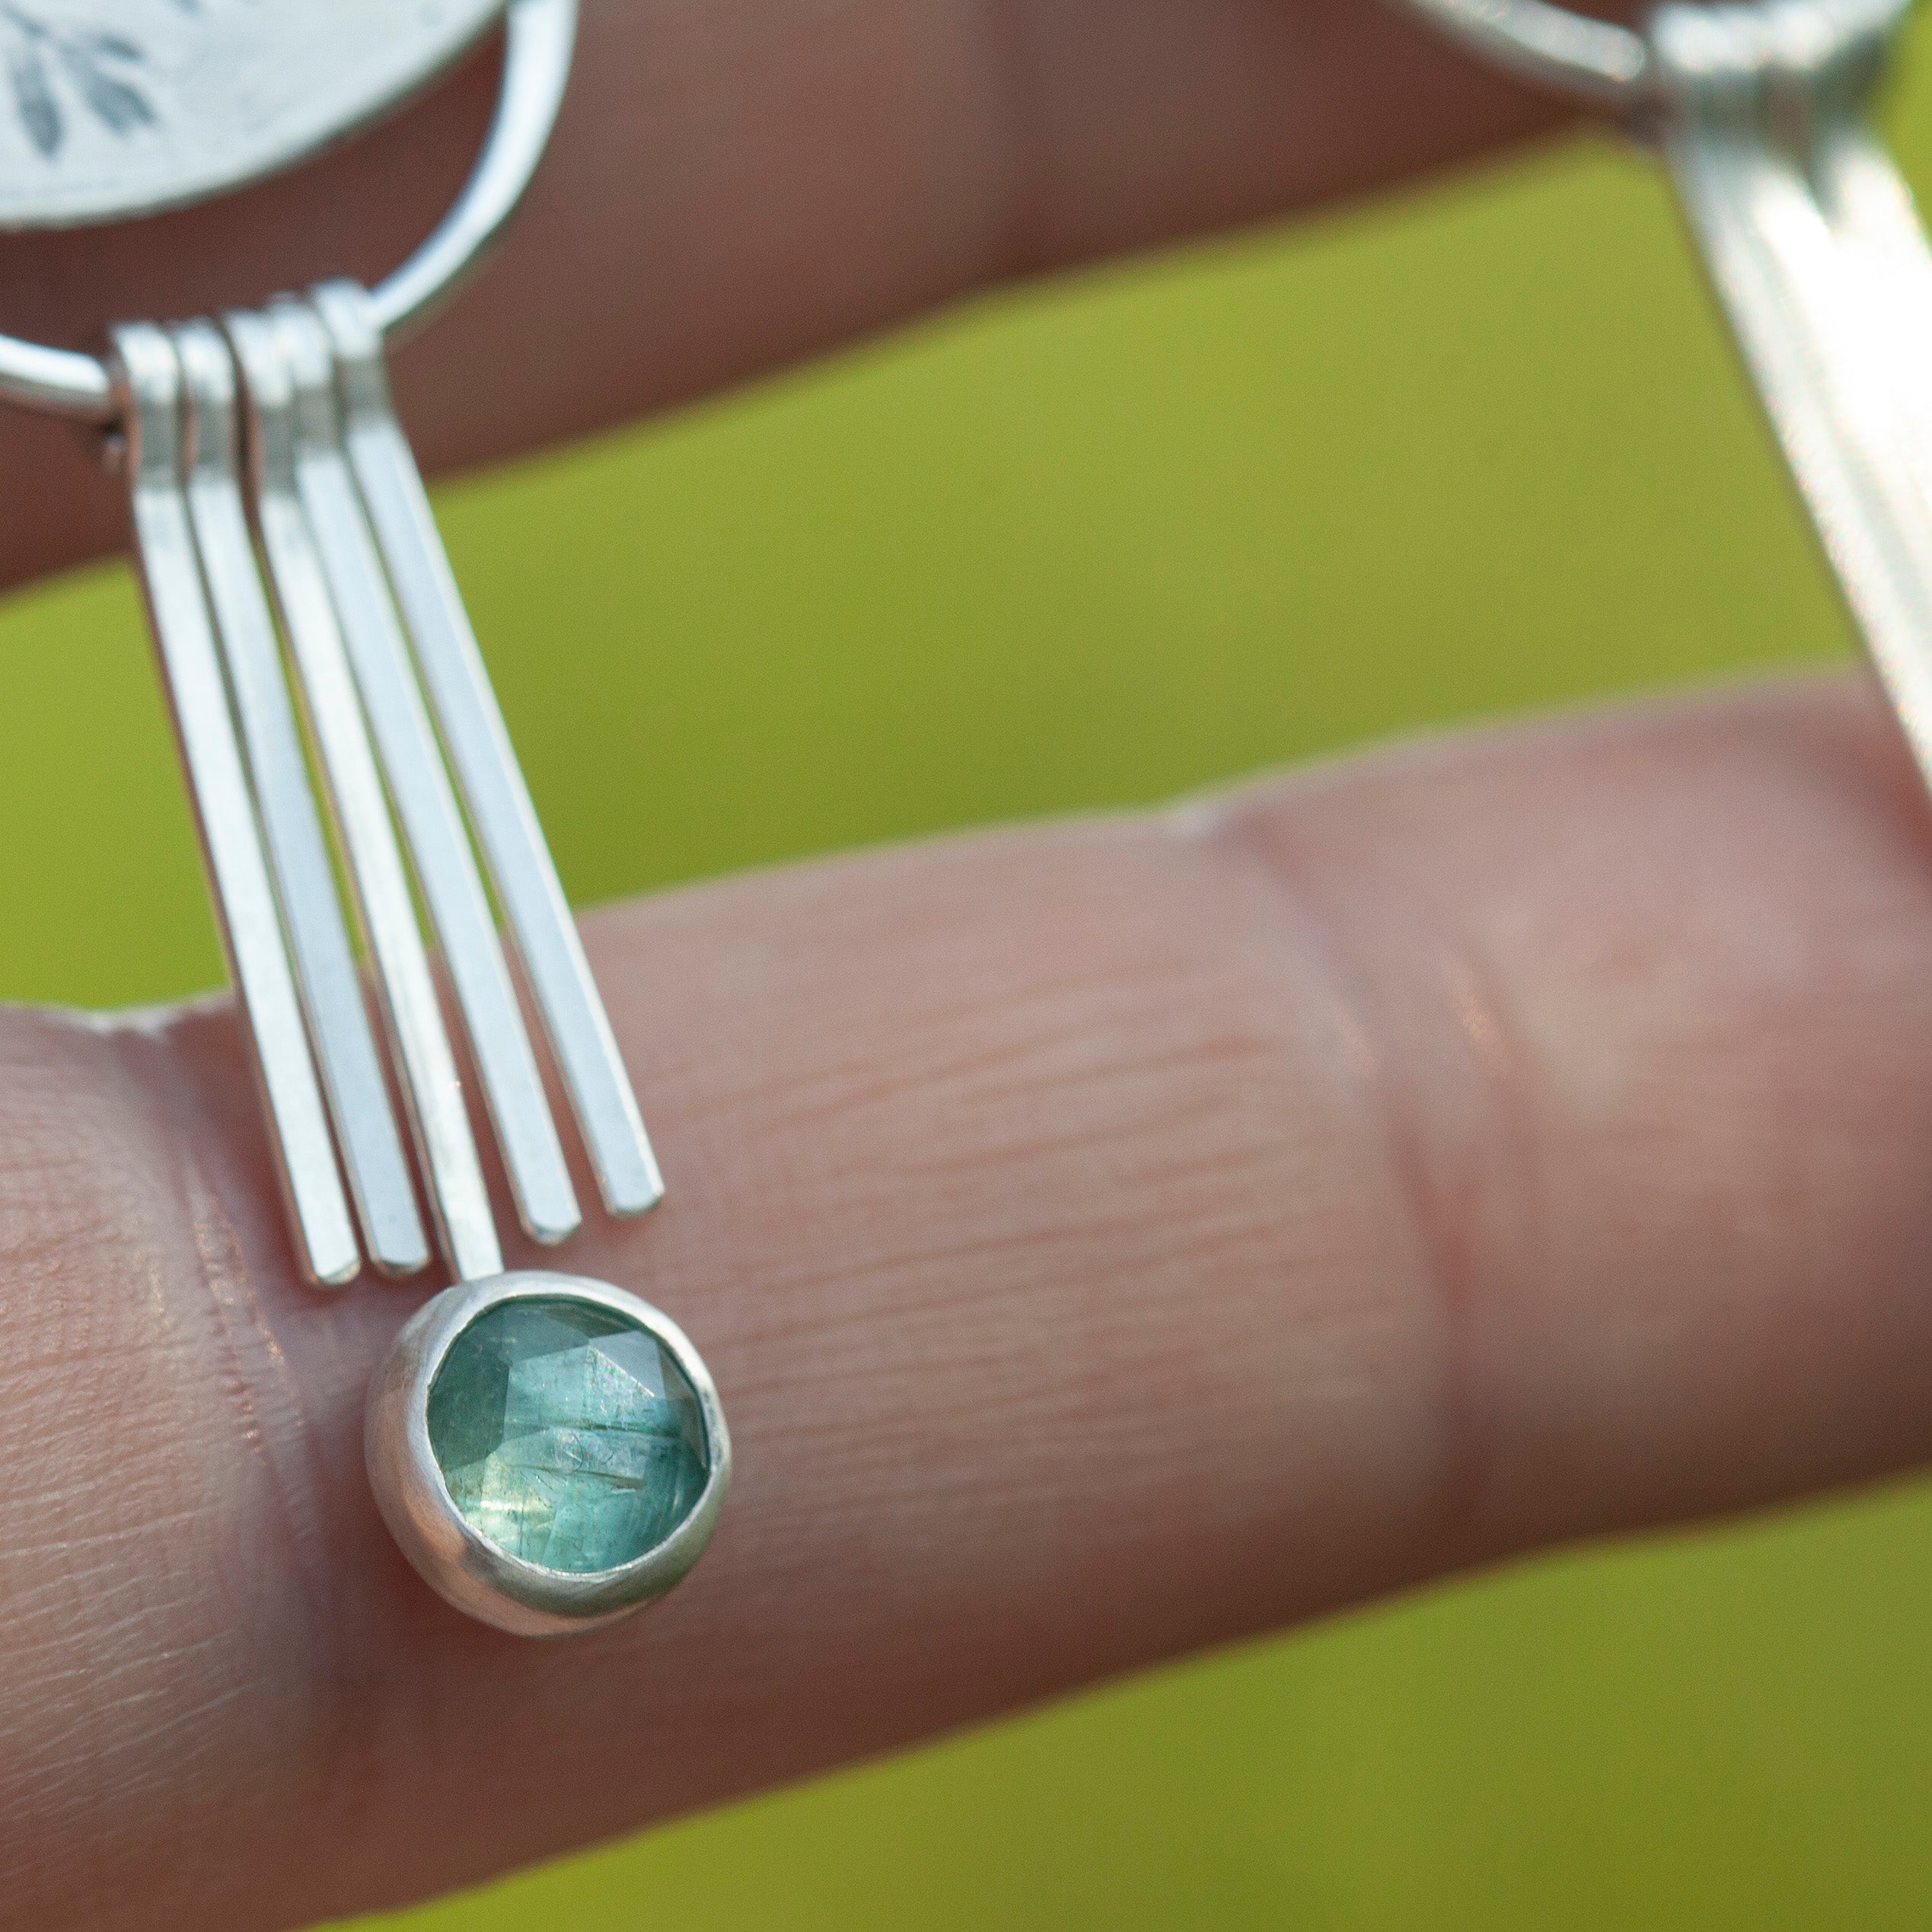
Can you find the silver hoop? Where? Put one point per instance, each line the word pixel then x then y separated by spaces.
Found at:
pixel 1617 67
pixel 1609 65
pixel 539 37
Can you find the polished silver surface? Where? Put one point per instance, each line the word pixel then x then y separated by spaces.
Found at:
pixel 438 844
pixel 149 379
pixel 540 36
pixel 1811 246
pixel 1871 213
pixel 371 1148
pixel 1595 59
pixel 58 381
pixel 432 1090
pixel 1794 312
pixel 479 745
pixel 469 1572
pixel 1618 67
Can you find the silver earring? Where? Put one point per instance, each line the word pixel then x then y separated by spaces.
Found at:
pixel 1759 110
pixel 549 1452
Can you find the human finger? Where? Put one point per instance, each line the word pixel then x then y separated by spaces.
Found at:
pixel 1110 1239
pixel 742 183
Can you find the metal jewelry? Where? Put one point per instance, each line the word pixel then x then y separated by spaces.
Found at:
pixel 548 1451
pixel 1814 248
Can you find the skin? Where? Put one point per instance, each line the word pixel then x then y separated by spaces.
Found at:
pixel 1110 1239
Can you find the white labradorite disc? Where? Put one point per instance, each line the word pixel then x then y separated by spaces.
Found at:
pixel 111 108
pixel 567 1436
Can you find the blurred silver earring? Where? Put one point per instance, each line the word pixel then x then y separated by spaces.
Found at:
pixel 1814 248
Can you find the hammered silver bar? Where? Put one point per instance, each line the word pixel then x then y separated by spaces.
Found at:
pixel 149 371
pixel 432 825
pixel 431 1088
pixel 371 1148
pixel 507 827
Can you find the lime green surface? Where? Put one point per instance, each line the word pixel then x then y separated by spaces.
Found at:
pixel 1482 450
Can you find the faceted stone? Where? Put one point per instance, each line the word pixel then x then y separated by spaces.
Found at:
pixel 567 1435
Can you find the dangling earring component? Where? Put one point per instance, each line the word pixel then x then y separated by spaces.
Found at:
pixel 149 382
pixel 549 1450
pixel 373 1159
pixel 1817 256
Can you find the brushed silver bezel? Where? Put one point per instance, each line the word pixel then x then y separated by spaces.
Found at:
pixel 463 1568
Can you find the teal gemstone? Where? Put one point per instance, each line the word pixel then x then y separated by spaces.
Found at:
pixel 567 1435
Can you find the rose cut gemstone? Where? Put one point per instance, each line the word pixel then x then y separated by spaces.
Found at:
pixel 567 1435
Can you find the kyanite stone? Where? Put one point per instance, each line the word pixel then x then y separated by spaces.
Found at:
pixel 566 1435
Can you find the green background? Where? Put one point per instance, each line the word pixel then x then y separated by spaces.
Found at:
pixel 1481 449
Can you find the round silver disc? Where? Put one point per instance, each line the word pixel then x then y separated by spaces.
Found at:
pixel 107 112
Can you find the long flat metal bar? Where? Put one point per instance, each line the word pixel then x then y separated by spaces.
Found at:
pixel 419 784
pixel 224 812
pixel 459 1197
pixel 326 978
pixel 1814 354
pixel 479 749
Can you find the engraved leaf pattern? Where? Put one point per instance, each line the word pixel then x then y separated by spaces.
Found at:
pixel 87 58
pixel 33 97
pixel 116 46
pixel 117 105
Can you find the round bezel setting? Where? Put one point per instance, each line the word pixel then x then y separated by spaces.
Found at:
pixel 462 1566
